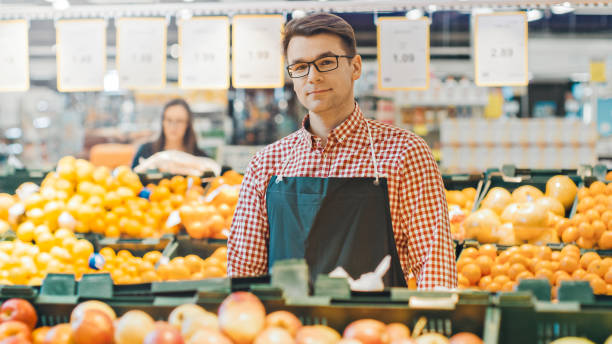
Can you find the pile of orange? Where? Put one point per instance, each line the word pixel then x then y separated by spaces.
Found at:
pixel 210 215
pixel 485 268
pixel 460 203
pixel 125 268
pixel 591 227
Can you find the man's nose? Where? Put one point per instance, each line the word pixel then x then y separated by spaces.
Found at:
pixel 313 74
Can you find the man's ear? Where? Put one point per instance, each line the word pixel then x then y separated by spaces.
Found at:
pixel 356 67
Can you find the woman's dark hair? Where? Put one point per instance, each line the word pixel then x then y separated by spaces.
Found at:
pixel 189 139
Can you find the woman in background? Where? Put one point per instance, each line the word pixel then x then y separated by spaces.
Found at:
pixel 177 133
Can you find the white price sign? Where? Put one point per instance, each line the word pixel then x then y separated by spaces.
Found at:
pixel 204 45
pixel 403 54
pixel 500 49
pixel 257 61
pixel 141 52
pixel 14 59
pixel 81 55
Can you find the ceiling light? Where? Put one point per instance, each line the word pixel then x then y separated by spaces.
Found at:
pixel 564 8
pixel 61 5
pixel 481 10
pixel 414 14
pixel 185 14
pixel 298 14
pixel 534 15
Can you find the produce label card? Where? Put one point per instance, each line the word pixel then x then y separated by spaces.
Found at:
pixel 14 59
pixel 257 60
pixel 500 49
pixel 81 55
pixel 204 53
pixel 403 54
pixel 141 52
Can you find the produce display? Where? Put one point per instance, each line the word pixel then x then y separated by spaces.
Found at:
pixel 81 197
pixel 241 319
pixel 527 215
pixel 591 227
pixel 460 204
pixel 485 268
pixel 25 263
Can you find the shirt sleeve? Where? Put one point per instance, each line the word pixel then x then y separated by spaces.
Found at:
pixel 247 246
pixel 429 245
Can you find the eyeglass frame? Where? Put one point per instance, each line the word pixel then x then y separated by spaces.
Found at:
pixel 315 65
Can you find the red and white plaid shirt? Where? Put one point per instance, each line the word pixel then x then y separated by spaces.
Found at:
pixel 416 194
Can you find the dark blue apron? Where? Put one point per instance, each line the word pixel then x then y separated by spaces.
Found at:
pixel 333 222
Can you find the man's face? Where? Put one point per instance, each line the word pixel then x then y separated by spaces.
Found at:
pixel 323 91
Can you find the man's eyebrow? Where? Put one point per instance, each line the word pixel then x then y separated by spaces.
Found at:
pixel 325 54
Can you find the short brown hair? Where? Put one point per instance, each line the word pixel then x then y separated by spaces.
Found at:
pixel 318 23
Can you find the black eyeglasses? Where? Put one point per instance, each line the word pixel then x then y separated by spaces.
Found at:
pixel 322 64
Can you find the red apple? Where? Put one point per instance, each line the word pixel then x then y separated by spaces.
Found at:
pixel 349 341
pixel 19 310
pixel 431 338
pixel 208 336
pixel 38 335
pixel 15 340
pixel 465 338
pixel 368 331
pixel 274 335
pixel 241 317
pixel 92 327
pixel 164 333
pixel 92 304
pixel 59 334
pixel 284 319
pixel 183 312
pixel 317 334
pixel 397 331
pixel 133 327
pixel 14 328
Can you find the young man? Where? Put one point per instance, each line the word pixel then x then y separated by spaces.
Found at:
pixel 342 190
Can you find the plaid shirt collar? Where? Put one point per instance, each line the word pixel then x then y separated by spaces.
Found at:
pixel 339 134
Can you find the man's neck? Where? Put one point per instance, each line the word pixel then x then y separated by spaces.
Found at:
pixel 322 124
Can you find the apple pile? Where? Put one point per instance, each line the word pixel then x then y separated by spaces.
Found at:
pixel 17 320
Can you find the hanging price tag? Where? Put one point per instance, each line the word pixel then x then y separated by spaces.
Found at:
pixel 256 51
pixel 403 54
pixel 500 49
pixel 204 65
pixel 14 59
pixel 141 52
pixel 81 55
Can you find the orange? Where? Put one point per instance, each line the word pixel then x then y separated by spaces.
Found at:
pixel 494 287
pixel 609 185
pixel 571 234
pixel 562 225
pixel 583 192
pixel 515 270
pixel 500 269
pixel 587 258
pixel 579 274
pixel 545 274
pixel 501 279
pixel 220 253
pixel 606 216
pixel 178 272
pixel 543 264
pixel 194 263
pixel 543 252
pixel 178 184
pixel 82 249
pixel 213 272
pixel 216 224
pixel 503 257
pixel 152 256
pixel 112 231
pixel 608 276
pixel 107 253
pixel 598 285
pixel 225 210
pixel 524 275
pixel 586 243
pixel 598 228
pixel 555 256
pixel 484 282
pixel 462 281
pixel 597 267
pixel 520 260
pixel 527 250
pixel 561 276
pixel 605 241
pixel 573 249
pixel 509 286
pixel 591 215
pixel 472 272
pixel 569 264
pixel 586 230
pixel 597 188
pixel 554 266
